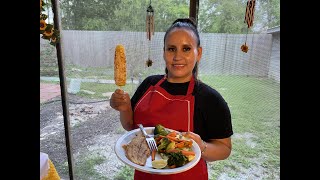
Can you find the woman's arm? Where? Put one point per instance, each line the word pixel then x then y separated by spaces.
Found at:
pixel 126 119
pixel 216 149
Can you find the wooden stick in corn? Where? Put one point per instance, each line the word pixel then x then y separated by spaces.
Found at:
pixel 120 66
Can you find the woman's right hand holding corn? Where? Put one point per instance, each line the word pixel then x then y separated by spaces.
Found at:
pixel 120 100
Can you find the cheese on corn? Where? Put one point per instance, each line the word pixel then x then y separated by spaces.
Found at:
pixel 120 66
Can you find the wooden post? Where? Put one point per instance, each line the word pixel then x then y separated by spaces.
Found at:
pixel 194 10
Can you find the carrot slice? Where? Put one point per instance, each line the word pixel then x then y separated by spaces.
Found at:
pixel 153 155
pixel 184 152
pixel 172 134
pixel 172 138
pixel 187 153
pixel 180 144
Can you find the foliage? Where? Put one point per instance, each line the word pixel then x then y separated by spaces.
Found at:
pixel 130 14
pixel 269 13
pixel 47 30
pixel 220 16
pixel 88 14
pixel 215 16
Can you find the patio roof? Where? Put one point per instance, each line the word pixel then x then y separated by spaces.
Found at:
pixel 273 30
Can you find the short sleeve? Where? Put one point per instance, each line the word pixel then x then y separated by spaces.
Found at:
pixel 212 114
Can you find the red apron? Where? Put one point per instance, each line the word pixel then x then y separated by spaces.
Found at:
pixel 157 106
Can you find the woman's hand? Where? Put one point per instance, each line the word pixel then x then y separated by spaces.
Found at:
pixel 214 149
pixel 195 137
pixel 120 100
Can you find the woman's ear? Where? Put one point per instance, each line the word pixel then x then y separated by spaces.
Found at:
pixel 199 53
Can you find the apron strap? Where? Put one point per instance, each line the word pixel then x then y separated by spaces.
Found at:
pixel 190 87
pixel 161 80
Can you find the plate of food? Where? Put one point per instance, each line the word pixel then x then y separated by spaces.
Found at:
pixel 175 154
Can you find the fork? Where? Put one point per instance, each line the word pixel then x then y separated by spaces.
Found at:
pixel 150 140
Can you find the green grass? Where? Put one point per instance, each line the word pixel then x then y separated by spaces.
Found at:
pixel 84 167
pixel 126 173
pixel 255 108
pixel 99 89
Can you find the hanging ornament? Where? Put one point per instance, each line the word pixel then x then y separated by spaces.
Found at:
pixel 150 30
pixel 149 62
pixel 150 21
pixel 248 19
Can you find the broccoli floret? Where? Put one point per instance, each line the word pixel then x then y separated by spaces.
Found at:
pixel 177 159
pixel 159 129
pixel 164 142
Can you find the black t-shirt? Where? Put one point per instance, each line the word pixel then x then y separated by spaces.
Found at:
pixel 212 118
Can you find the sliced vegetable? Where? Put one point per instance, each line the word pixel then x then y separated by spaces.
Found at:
pixel 159 163
pixel 171 146
pixel 159 129
pixel 153 154
pixel 164 142
pixel 190 157
pixel 177 159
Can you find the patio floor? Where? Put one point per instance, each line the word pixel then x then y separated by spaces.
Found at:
pixel 49 91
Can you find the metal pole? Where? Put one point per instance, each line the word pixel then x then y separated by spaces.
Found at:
pixel 63 87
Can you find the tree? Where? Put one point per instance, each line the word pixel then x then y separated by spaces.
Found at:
pixel 130 14
pixel 222 16
pixel 270 13
pixel 215 16
pixel 87 14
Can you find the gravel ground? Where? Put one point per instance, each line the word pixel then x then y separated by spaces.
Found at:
pixel 95 127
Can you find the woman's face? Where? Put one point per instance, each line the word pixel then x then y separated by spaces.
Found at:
pixel 181 54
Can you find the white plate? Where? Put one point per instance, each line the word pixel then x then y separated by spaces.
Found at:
pixel 126 138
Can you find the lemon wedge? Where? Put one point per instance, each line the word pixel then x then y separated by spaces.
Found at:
pixel 159 163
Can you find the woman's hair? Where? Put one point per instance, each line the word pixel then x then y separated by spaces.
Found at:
pixel 186 23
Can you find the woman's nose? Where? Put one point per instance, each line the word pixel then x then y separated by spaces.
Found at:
pixel 177 56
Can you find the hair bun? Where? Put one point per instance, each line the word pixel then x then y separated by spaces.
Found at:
pixel 190 20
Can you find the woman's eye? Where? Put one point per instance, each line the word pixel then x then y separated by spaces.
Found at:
pixel 170 49
pixel 186 49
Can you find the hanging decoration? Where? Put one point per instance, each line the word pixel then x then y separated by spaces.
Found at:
pixel 150 30
pixel 248 19
pixel 47 30
pixel 150 21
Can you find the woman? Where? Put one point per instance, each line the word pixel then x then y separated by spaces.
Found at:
pixel 179 101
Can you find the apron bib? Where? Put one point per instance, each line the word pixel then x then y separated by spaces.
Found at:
pixel 157 106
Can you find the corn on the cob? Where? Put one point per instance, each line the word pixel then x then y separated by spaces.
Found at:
pixel 120 66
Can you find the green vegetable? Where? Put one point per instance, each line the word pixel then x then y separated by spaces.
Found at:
pixel 164 142
pixel 177 159
pixel 171 145
pixel 159 129
pixel 164 156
